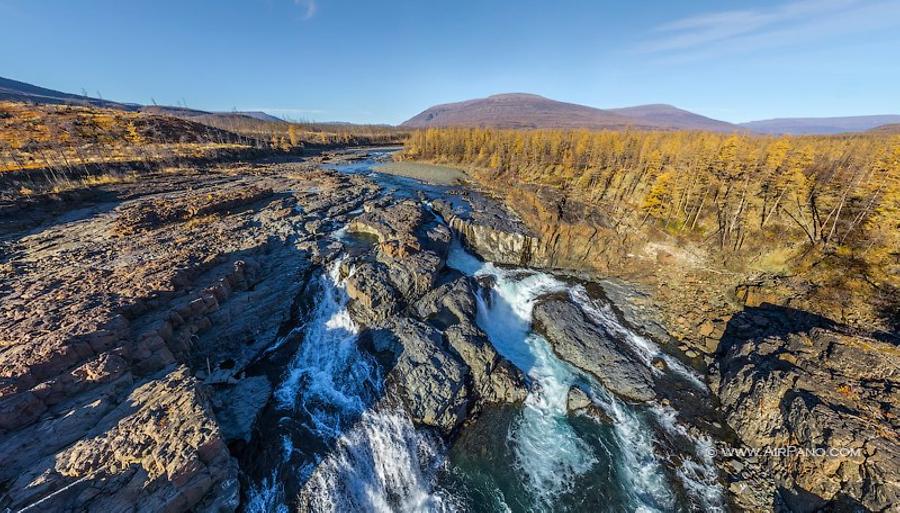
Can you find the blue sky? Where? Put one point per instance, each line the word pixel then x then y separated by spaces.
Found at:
pixel 370 61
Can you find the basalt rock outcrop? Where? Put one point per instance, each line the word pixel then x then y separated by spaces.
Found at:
pixel 429 382
pixel 421 316
pixel 416 318
pixel 819 404
pixel 492 235
pixel 542 229
pixel 451 308
pixel 159 450
pixel 587 346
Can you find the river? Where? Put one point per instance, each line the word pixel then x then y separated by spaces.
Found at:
pixel 364 456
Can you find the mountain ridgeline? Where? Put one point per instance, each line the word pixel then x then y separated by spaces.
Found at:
pixel 520 110
pixel 512 110
pixel 530 111
pixel 820 126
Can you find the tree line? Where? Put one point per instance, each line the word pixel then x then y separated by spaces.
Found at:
pixel 738 190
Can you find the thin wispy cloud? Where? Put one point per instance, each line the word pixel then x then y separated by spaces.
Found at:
pixel 745 30
pixel 309 6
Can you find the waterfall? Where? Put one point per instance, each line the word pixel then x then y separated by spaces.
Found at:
pixel 550 453
pixel 378 461
pixel 381 465
pixel 372 458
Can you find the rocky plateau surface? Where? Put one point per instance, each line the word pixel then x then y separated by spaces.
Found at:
pixel 126 323
pixel 140 326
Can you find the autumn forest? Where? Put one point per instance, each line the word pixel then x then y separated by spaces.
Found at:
pixel 755 200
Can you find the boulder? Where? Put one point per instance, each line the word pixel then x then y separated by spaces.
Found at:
pixel 579 403
pixel 577 340
pixel 577 399
pixel 429 382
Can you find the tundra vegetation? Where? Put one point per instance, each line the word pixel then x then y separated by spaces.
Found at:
pixel 821 211
pixel 61 145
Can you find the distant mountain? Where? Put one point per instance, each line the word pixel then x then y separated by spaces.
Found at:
pixel 203 116
pixel 260 115
pixel 13 90
pixel 893 128
pixel 672 117
pixel 520 110
pixel 513 110
pixel 824 126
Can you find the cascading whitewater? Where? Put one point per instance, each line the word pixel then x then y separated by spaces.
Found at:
pixel 697 473
pixel 329 379
pixel 603 315
pixel 382 465
pixel 550 454
pixel 378 461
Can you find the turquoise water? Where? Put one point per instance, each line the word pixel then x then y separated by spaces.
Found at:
pixel 543 458
pixel 353 454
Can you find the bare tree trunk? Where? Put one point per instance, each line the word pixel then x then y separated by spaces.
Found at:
pixel 865 212
pixel 774 208
pixel 699 209
pixel 809 235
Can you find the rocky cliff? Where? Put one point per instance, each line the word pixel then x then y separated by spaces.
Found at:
pixel 137 327
pixel 127 324
pixel 818 402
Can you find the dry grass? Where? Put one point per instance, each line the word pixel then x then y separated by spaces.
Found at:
pixel 775 261
pixel 108 179
pixel 65 184
pixel 66 138
pixel 93 181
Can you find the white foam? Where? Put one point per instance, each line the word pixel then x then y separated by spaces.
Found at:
pixel 642 469
pixel 328 375
pixel 698 474
pixel 645 349
pixel 381 465
pixel 266 498
pixel 550 454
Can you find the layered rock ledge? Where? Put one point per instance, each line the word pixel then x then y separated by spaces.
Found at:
pixel 127 323
pixel 819 403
